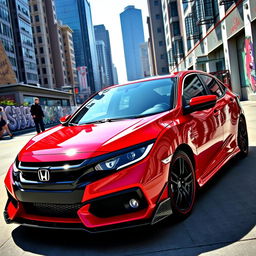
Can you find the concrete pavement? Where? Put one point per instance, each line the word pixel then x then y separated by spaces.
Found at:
pixel 222 223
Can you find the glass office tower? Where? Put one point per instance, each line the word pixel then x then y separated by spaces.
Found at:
pixel 133 37
pixel 102 34
pixel 6 34
pixel 77 15
pixel 23 37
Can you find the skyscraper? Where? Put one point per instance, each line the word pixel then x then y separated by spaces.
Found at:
pixel 6 34
pixel 102 58
pixel 68 49
pixel 77 15
pixel 115 75
pixel 48 45
pixel 133 36
pixel 25 52
pixel 157 46
pixel 144 59
pixel 102 34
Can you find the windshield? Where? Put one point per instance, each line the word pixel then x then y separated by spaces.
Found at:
pixel 128 101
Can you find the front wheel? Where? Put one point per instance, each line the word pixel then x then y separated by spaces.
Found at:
pixel 242 137
pixel 182 185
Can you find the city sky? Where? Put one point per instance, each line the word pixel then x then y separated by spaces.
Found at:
pixel 107 12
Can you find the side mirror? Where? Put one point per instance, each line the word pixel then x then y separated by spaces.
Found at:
pixel 200 103
pixel 64 119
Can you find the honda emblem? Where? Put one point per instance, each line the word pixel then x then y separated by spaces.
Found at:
pixel 43 175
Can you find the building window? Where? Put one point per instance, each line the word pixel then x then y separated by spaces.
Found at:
pixel 156 3
pixel 45 81
pixel 204 11
pixel 173 9
pixel 40 40
pixel 176 28
pixel 35 7
pixel 159 30
pixel 158 16
pixel 185 6
pixel 37 18
pixel 44 71
pixel 164 70
pixel 162 56
pixel 41 50
pixel 161 43
pixel 43 60
pixel 38 29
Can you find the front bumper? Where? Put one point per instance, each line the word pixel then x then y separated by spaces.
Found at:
pixel 99 215
pixel 99 206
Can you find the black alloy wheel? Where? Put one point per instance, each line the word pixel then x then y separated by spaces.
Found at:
pixel 242 137
pixel 182 185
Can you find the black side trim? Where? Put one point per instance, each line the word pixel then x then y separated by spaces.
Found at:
pixel 118 204
pixel 163 210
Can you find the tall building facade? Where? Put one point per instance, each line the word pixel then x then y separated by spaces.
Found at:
pixel 214 36
pixel 6 34
pixel 115 75
pixel 133 36
pixel 102 34
pixel 103 67
pixel 23 38
pixel 69 54
pixel 144 57
pixel 51 69
pixel 157 44
pixel 77 15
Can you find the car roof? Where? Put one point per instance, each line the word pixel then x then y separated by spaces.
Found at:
pixel 151 78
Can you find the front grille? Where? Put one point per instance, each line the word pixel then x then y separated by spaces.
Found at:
pixel 46 164
pixel 56 176
pixel 52 210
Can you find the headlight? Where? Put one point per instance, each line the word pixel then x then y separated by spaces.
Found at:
pixel 124 160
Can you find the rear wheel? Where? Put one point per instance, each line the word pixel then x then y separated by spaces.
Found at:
pixel 182 185
pixel 242 137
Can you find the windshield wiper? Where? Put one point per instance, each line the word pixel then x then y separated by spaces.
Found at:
pixel 106 120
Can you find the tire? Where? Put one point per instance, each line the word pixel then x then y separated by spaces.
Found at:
pixel 242 137
pixel 182 185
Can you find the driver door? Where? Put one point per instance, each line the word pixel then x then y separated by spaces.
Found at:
pixel 206 132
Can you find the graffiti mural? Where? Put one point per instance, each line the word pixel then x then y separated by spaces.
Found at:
pixel 250 63
pixel 20 117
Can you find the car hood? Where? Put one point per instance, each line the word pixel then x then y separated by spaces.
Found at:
pixel 63 143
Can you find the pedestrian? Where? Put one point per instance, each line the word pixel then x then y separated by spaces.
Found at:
pixel 4 124
pixel 38 115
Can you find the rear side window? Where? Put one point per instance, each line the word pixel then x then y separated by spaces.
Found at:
pixel 212 85
pixel 192 88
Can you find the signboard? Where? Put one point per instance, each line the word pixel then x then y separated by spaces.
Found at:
pixel 7 75
pixel 82 76
pixel 234 22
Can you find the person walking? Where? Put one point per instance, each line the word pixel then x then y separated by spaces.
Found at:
pixel 38 115
pixel 4 124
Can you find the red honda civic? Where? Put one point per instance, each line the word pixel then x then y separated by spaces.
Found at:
pixel 132 154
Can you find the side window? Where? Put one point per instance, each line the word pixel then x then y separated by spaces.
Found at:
pixel 192 88
pixel 212 85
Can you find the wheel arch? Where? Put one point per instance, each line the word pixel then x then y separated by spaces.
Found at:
pixel 187 149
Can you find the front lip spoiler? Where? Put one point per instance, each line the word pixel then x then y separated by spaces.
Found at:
pixel 75 226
